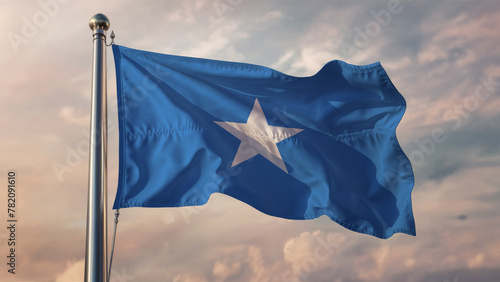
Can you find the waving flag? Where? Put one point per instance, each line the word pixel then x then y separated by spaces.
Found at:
pixel 291 147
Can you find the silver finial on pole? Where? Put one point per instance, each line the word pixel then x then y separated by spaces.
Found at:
pixel 96 258
pixel 99 21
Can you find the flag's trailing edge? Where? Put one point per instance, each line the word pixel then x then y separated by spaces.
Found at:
pixel 291 147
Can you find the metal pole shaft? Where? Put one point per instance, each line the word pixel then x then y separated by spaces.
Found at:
pixel 96 257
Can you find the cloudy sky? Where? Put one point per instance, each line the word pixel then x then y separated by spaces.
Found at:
pixel 443 56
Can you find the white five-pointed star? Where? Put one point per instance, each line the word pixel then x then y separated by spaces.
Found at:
pixel 258 137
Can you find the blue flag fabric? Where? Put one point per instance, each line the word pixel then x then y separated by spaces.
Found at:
pixel 291 147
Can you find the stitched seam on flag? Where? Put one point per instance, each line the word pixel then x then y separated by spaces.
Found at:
pixel 264 137
pixel 365 68
pixel 199 128
pixel 362 133
pixel 165 131
pixel 119 201
pixel 196 128
pixel 222 66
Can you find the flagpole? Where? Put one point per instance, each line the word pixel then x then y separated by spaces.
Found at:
pixel 96 258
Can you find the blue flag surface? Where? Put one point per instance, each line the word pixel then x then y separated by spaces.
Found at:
pixel 291 147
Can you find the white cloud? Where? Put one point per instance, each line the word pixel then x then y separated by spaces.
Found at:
pixel 185 14
pixel 222 270
pixel 409 262
pixel 220 40
pixel 476 262
pixel 256 263
pixel 398 63
pixel 270 16
pixel 72 115
pixel 190 277
pixel 74 272
pixel 312 59
pixel 285 58
pixel 309 252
